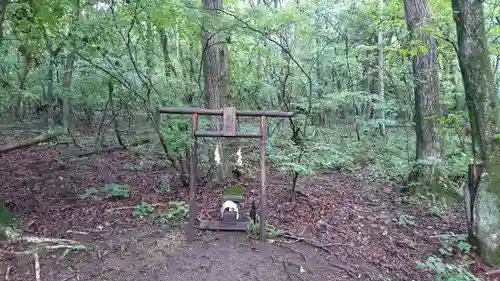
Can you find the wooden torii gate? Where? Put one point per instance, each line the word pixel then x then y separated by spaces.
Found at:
pixel 229 115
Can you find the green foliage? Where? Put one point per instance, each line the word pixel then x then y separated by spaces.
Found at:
pixel 115 190
pixel 163 188
pixel 447 272
pixel 89 193
pixel 451 242
pixel 177 212
pixel 71 248
pixel 111 190
pixel 8 219
pixel 406 220
pixel 271 231
pixel 142 209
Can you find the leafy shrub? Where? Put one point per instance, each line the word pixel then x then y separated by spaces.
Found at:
pixel 177 211
pixel 142 209
pixel 114 190
pixel 446 272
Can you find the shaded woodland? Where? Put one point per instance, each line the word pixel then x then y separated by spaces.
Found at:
pixel 389 169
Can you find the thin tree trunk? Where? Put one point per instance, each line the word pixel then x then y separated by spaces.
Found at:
pixel 381 59
pixel 3 10
pixel 167 61
pixel 16 103
pixel 67 112
pixel 50 85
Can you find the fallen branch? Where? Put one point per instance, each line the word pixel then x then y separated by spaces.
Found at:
pixel 30 142
pixel 39 240
pixel 132 207
pixel 13 236
pixel 37 267
pixel 297 239
pixel 112 149
pixel 34 251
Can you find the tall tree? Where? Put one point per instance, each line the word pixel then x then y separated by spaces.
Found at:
pixel 3 11
pixel 211 70
pixel 426 91
pixel 68 68
pixel 483 200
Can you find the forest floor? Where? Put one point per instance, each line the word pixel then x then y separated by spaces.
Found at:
pixel 355 230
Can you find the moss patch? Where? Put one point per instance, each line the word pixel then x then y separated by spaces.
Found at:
pixel 237 190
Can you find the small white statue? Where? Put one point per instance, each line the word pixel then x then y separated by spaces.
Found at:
pixel 229 206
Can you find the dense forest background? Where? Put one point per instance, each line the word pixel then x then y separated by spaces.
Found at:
pixel 345 67
pixel 395 92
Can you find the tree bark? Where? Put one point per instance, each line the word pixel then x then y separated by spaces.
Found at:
pixel 16 103
pixel 426 91
pixel 168 66
pixel 212 71
pixel 480 95
pixel 68 77
pixel 3 10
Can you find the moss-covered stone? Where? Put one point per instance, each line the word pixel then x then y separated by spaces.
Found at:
pixel 487 210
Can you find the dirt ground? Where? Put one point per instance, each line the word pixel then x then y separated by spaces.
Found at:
pixel 356 230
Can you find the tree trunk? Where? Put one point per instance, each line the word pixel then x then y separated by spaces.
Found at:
pixel 3 10
pixel 426 91
pixel 381 71
pixel 230 144
pixel 480 95
pixel 211 71
pixel 16 103
pixel 66 84
pixel 68 77
pixel 168 67
pixel 50 87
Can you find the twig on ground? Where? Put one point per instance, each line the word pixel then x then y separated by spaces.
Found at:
pixel 132 207
pixel 77 232
pixel 70 277
pixel 38 240
pixel 33 251
pixel 111 149
pixel 7 273
pixel 323 247
pixel 37 267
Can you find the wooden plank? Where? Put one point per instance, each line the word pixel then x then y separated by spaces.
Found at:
pixel 221 134
pixel 220 112
pixel 229 121
pixel 234 198
pixel 223 226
